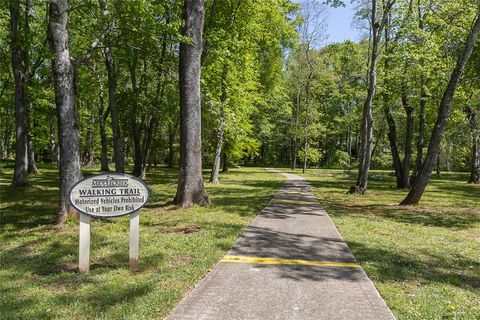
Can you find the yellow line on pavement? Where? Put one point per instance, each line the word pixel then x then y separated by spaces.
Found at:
pixel 294 201
pixel 295 192
pixel 256 260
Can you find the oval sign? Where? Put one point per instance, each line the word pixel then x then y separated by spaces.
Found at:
pixel 109 195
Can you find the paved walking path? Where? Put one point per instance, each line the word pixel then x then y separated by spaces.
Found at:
pixel 290 263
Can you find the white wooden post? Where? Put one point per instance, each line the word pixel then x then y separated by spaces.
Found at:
pixel 84 248
pixel 134 239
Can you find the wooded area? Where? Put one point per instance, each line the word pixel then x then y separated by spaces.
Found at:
pixel 132 85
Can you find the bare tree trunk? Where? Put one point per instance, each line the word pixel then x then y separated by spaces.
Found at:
pixel 118 154
pixel 190 182
pixel 220 130
pixel 21 78
pixel 423 178
pixel 112 105
pixel 295 125
pixel 421 133
pixel 305 143
pixel 447 157
pixel 223 99
pixel 147 144
pixel 392 138
pixel 438 163
pixel 218 153
pixel 70 170
pixel 421 116
pixel 472 117
pixel 102 117
pixel 135 127
pixel 53 143
pixel 307 102
pixel 366 131
pixel 225 162
pixel 408 138
pixel 349 145
pixel 171 141
pixel 32 163
pixel 392 129
pixel 88 156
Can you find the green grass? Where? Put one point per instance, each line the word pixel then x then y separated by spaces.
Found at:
pixel 424 259
pixel 38 261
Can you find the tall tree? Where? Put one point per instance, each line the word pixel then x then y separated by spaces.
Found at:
pixel 366 129
pixel 190 182
pixel 112 97
pixel 70 169
pixel 21 77
pixel 223 97
pixel 421 181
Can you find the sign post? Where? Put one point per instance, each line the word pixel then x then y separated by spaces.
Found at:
pixel 134 239
pixel 108 196
pixel 84 247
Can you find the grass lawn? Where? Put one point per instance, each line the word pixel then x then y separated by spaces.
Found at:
pixel 424 259
pixel 38 261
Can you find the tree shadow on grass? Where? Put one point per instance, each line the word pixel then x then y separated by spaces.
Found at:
pixel 388 265
pixel 407 215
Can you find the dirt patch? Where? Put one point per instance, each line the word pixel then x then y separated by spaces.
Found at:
pixel 185 230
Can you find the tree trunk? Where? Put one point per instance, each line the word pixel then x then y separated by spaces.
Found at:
pixel 305 144
pixel 102 117
pixel 421 132
pixel 135 127
pixel 190 182
pixel 295 124
pixel 366 131
pixel 220 130
pixel 408 138
pixel 423 103
pixel 70 170
pixel 171 141
pixel 349 145
pixel 307 102
pixel 147 144
pixel 112 105
pixel 423 178
pixel 225 162
pixel 438 163
pixel 392 129
pixel 392 138
pixel 472 117
pixel 21 78
pixel 118 155
pixel 88 156
pixel 218 153
pixel 53 143
pixel 32 163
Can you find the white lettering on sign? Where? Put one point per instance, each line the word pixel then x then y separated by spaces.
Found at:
pixel 109 195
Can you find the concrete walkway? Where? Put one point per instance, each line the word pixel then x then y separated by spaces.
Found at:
pixel 290 263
